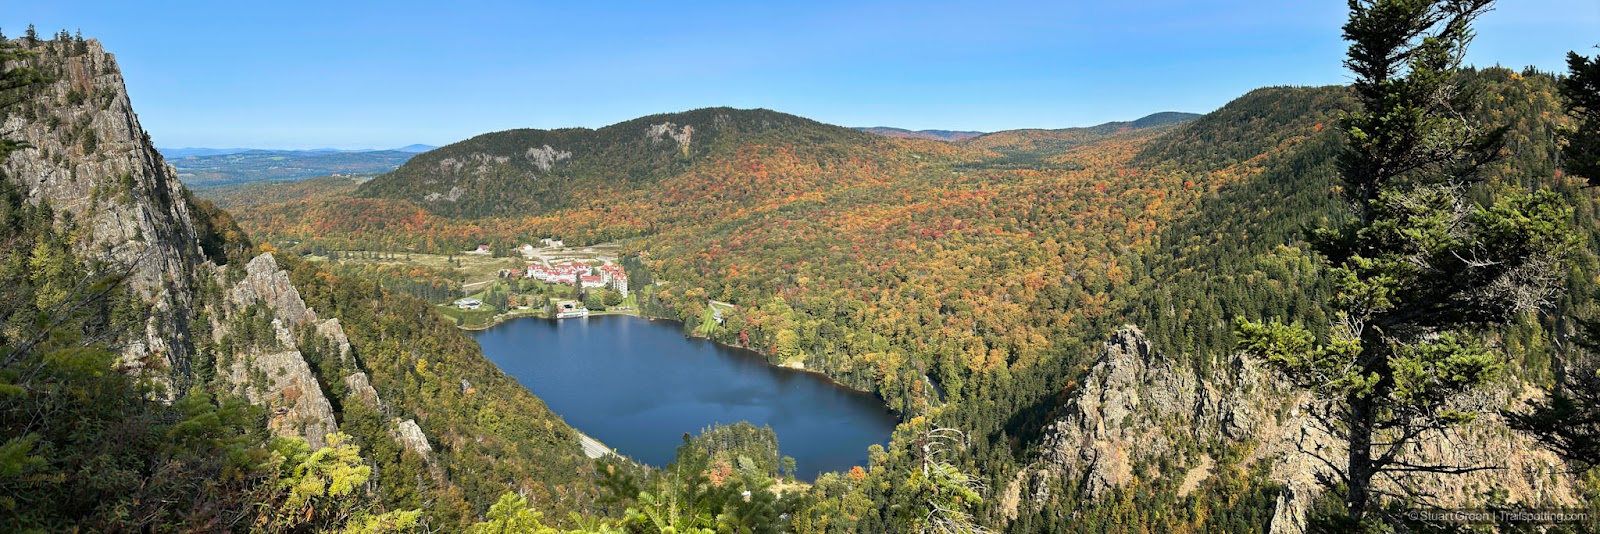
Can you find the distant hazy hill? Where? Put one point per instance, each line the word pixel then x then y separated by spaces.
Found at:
pixel 1158 119
pixel 234 196
pixel 220 166
pixel 933 135
pixel 176 153
pixel 1032 144
pixel 1161 119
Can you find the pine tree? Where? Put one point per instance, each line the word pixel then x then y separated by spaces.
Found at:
pixel 15 84
pixel 1581 89
pixel 1419 271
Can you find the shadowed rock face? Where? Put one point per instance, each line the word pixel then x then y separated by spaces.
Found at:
pixel 1136 407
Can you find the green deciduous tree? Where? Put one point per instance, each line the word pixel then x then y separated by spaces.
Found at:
pixel 511 515
pixel 1419 271
pixel 317 487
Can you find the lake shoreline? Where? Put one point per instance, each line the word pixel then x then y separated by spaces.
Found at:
pixel 641 385
pixel 505 317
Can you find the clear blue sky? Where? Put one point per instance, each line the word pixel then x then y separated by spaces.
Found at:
pixel 287 74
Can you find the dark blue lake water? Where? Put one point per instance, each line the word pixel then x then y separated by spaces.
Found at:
pixel 638 385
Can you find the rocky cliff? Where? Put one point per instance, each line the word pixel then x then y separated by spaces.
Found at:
pixel 1136 407
pixel 92 162
pixel 233 321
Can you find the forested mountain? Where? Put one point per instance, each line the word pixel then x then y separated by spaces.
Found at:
pixel 532 172
pixel 1055 313
pixel 995 267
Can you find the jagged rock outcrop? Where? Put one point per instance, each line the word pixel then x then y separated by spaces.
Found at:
pixel 360 388
pixel 1289 512
pixel 264 282
pixel 284 383
pixel 334 332
pixel 1132 396
pixel 92 161
pixel 411 437
pixel 1136 407
pixel 281 380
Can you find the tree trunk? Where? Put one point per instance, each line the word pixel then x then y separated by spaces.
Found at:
pixel 1359 469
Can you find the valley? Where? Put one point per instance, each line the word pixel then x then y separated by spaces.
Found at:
pixel 1314 308
pixel 991 267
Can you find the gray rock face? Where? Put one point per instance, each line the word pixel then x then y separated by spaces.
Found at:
pixel 292 390
pixel 411 437
pixel 1289 513
pixel 264 282
pixel 1136 407
pixel 1135 402
pixel 91 160
pixel 360 388
pixel 333 331
pixel 93 163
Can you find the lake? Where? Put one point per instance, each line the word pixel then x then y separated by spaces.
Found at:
pixel 638 385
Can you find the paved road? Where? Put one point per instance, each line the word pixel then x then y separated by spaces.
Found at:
pixel 592 447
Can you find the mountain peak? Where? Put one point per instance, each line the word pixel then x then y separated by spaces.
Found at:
pixel 535 170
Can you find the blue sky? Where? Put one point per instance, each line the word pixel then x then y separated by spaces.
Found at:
pixel 288 74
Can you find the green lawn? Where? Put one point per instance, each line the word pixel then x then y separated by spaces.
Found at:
pixel 473 268
pixel 708 323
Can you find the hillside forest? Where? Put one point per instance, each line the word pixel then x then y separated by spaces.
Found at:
pixel 1408 263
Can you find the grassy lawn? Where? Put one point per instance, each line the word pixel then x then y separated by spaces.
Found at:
pixel 479 318
pixel 473 269
pixel 486 315
pixel 708 322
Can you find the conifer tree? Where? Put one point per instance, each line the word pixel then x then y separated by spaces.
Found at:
pixel 1581 89
pixel 1568 421
pixel 1420 271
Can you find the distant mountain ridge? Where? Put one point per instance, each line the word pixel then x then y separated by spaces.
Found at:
pixel 1149 121
pixel 1030 146
pixel 189 152
pixel 202 167
pixel 933 135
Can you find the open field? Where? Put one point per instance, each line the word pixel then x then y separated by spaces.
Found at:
pixel 604 252
pixel 475 270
